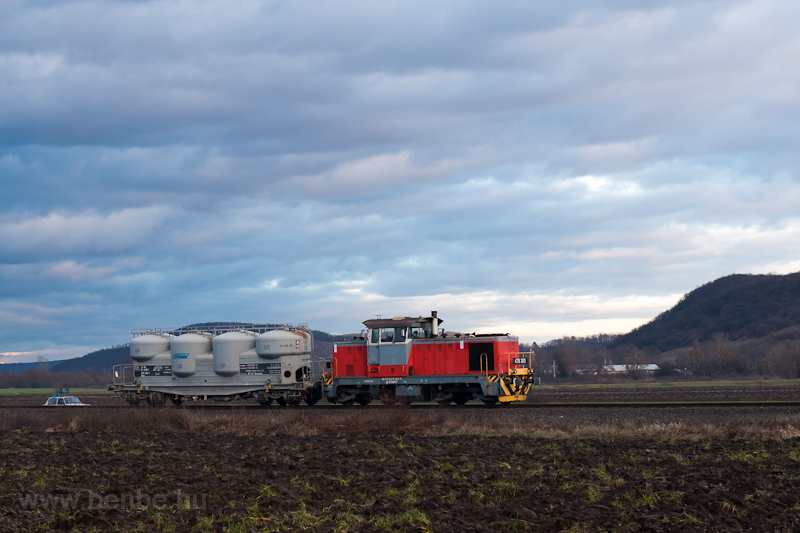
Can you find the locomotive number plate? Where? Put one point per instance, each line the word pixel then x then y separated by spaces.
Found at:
pixel 520 360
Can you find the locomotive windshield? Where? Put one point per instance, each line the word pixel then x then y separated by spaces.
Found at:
pixel 388 335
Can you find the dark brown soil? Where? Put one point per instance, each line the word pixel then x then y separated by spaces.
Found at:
pixel 696 393
pixel 195 482
pixel 370 469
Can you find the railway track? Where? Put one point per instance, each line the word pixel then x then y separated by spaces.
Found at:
pixel 355 408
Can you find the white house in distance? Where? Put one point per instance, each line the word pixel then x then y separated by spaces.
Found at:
pixel 615 369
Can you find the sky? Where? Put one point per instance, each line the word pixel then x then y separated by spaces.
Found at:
pixel 534 167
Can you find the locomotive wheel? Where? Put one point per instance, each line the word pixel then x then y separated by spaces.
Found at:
pixel 490 403
pixel 461 399
pixel 363 399
pixel 345 398
pixel 388 396
pixel 445 403
pixel 281 401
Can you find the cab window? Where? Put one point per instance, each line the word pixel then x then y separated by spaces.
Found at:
pixel 388 335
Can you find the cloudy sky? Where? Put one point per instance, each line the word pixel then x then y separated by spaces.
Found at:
pixel 541 168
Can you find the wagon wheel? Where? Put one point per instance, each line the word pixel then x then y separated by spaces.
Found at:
pixel 156 400
pixel 311 400
pixel 281 401
pixel 490 403
pixel 445 403
pixel 266 403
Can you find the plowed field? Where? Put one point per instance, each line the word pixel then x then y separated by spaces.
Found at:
pixel 98 481
pixel 371 469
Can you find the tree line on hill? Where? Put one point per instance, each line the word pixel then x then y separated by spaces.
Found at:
pixel 718 356
pixel 741 306
pixel 44 378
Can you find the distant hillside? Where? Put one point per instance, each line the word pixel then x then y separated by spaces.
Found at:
pixel 741 305
pixel 101 360
pixel 21 367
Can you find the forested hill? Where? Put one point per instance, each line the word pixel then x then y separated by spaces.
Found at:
pixel 742 306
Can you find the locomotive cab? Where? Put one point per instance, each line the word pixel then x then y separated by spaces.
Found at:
pixel 389 342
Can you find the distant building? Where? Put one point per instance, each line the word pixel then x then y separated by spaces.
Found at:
pixel 613 369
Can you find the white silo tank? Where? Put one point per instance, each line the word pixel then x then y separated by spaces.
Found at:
pixel 145 347
pixel 228 347
pixel 186 349
pixel 282 342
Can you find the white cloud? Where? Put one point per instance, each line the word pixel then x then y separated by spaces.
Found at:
pixel 52 353
pixel 396 173
pixel 73 271
pixel 89 232
pixel 29 67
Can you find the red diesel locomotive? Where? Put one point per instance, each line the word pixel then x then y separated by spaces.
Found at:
pixel 408 359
